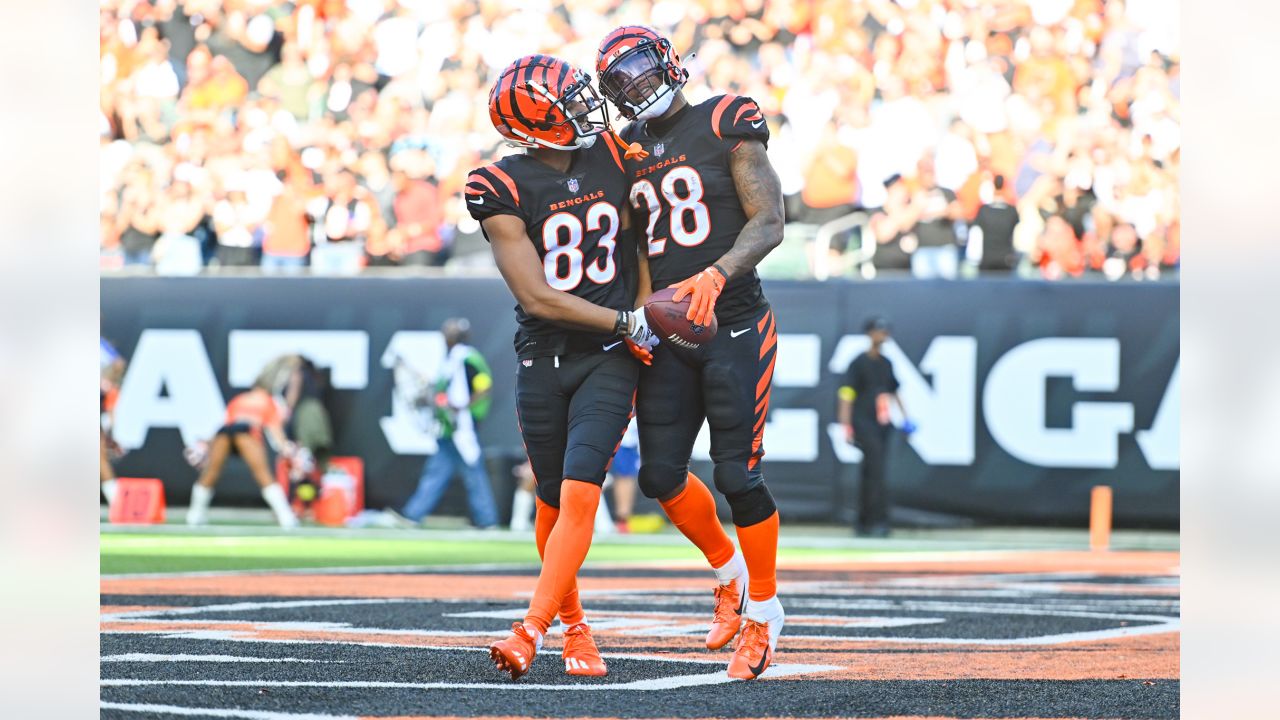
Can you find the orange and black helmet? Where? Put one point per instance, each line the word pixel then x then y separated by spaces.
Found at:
pixel 638 69
pixel 542 101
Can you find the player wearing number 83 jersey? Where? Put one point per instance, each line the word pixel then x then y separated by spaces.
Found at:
pixel 554 219
pixel 574 219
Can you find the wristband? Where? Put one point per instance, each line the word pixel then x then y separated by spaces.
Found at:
pixel 720 270
pixel 622 325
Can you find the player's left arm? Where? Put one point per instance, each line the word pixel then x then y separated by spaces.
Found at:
pixel 760 193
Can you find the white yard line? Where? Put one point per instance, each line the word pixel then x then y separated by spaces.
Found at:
pixel 662 683
pixel 162 658
pixel 219 712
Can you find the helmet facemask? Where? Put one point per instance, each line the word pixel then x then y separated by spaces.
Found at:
pixel 582 109
pixel 642 82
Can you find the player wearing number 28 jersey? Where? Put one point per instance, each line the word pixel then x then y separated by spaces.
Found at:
pixel 555 218
pixel 709 207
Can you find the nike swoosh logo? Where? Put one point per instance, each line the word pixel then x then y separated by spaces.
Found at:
pixel 736 333
pixel 477 201
pixel 764 660
pixel 757 125
pixel 607 348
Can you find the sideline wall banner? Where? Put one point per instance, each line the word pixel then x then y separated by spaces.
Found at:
pixel 1026 393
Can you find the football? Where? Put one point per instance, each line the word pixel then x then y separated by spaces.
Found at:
pixel 668 320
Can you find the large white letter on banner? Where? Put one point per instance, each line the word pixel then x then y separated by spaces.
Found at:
pixel 1014 403
pixel 169 383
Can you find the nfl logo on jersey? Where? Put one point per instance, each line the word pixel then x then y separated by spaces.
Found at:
pixel 573 185
pixel 659 149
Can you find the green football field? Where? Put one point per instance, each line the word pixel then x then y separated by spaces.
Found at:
pixel 164 553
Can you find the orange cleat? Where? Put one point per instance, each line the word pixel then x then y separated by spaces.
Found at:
pixel 754 650
pixel 581 656
pixel 515 654
pixel 731 601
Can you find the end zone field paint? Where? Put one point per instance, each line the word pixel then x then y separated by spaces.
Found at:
pixel 1028 635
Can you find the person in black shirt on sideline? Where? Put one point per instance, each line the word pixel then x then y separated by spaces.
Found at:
pixel 864 413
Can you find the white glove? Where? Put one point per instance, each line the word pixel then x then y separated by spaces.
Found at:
pixel 639 331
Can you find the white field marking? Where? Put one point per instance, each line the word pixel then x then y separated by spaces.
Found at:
pixel 245 606
pixel 178 626
pixel 157 657
pixel 356 570
pixel 219 712
pixel 663 683
pixel 1171 626
pixel 853 597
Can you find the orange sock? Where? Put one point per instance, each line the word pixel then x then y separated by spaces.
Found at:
pixel 760 549
pixel 566 549
pixel 693 512
pixel 571 607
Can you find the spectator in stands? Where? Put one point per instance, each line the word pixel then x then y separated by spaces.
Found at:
pixel 831 189
pixel 216 86
pixel 292 83
pixel 345 216
pixel 936 213
pixel 891 227
pixel 183 215
pixel 418 217
pixel 285 240
pixel 461 398
pixel 1088 91
pixel 138 222
pixel 990 242
pixel 239 226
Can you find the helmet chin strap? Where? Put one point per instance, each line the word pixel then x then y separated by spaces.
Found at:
pixel 659 103
pixel 533 142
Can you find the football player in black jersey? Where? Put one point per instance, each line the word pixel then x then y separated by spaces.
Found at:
pixel 710 206
pixel 556 220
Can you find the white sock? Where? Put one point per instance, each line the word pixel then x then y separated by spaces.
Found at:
pixel 109 491
pixel 537 636
pixel 765 610
pixel 279 504
pixel 521 509
pixel 732 570
pixel 198 512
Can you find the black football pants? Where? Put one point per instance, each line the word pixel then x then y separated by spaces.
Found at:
pixel 573 411
pixel 726 382
pixel 873 494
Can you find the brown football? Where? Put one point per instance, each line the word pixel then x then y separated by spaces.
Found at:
pixel 668 320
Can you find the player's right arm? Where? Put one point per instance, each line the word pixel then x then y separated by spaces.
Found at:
pixel 522 269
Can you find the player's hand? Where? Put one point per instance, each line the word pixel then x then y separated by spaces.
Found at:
pixel 641 340
pixel 705 287
pixel 640 352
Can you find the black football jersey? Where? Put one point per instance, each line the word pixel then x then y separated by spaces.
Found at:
pixel 686 205
pixel 574 221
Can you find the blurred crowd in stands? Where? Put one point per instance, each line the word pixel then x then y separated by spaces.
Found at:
pixel 1036 136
